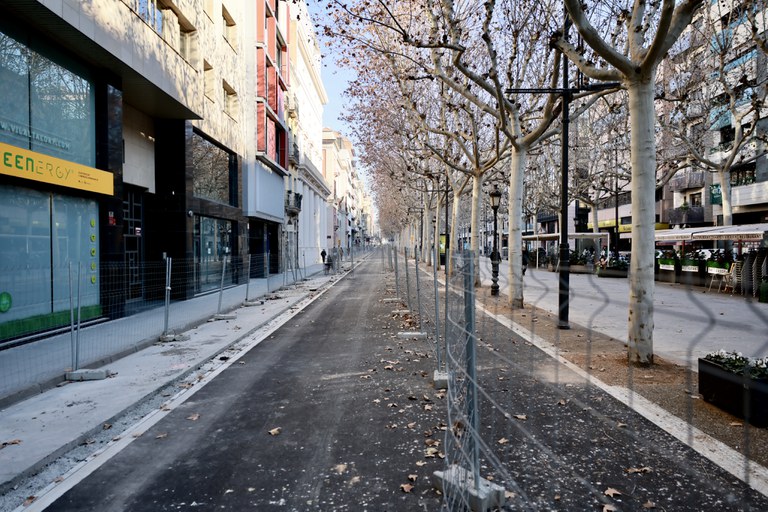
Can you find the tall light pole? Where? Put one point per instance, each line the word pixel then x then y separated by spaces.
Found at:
pixel 495 196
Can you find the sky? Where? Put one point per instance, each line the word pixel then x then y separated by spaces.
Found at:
pixel 335 79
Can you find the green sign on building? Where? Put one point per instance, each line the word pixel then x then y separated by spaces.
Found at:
pixel 715 194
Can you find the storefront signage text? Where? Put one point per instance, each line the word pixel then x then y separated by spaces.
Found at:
pixel 30 165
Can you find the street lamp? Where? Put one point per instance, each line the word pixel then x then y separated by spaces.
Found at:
pixel 495 197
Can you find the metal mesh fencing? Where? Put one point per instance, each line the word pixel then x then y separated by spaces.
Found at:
pixel 96 314
pixel 544 417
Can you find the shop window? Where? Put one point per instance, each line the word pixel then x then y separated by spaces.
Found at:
pixel 46 106
pixel 213 251
pixel 212 170
pixel 42 235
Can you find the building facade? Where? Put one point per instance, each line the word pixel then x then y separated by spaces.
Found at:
pixel 133 131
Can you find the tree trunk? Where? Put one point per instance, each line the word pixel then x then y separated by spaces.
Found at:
pixel 641 284
pixel 518 162
pixel 725 193
pixel 426 231
pixel 596 229
pixel 477 191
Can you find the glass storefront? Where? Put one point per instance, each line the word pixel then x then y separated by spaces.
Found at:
pixel 213 250
pixel 40 235
pixel 47 107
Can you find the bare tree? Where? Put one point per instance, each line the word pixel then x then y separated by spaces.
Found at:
pixel 629 41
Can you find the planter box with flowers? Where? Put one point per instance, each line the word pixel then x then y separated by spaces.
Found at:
pixel 736 384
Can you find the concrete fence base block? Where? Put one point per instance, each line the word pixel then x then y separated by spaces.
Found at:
pixel 392 299
pixel 411 334
pixel 251 303
pixel 81 375
pixel 481 497
pixel 222 317
pixel 173 337
pixel 400 311
pixel 440 379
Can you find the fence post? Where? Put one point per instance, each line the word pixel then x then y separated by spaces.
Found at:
pixel 397 275
pixel 407 282
pixel 437 312
pixel 418 289
pixel 72 319
pixel 471 351
pixel 248 277
pixel 168 294
pixel 221 285
pixel 266 269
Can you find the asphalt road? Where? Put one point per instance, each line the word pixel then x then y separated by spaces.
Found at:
pixel 328 413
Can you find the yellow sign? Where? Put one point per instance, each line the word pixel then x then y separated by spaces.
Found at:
pixel 30 165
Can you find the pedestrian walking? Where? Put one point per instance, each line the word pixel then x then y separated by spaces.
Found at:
pixel 323 254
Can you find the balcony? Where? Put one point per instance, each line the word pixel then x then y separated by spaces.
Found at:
pixel 292 203
pixel 686 215
pixel 688 180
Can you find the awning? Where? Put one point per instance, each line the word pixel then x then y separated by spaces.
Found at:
pixel 572 236
pixel 745 232
pixel 678 234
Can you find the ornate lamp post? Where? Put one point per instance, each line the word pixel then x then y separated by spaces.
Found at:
pixel 495 197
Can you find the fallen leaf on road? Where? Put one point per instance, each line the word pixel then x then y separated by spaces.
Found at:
pixel 503 440
pixel 427 407
pixel 562 402
pixel 106 426
pixel 612 492
pixel 649 504
pixel 193 417
pixel 644 469
pixel 521 416
pixel 406 487
pixel 411 425
pixel 432 442
pixel 340 468
pixel 430 452
pixel 736 424
pixel 161 435
pixel 10 443
pixel 274 431
pixel 412 477
pixel 29 500
pixel 609 508
pixel 420 463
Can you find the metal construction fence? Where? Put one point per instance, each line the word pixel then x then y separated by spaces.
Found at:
pixel 541 417
pixel 100 312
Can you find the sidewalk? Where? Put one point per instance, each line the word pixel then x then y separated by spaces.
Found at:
pixel 44 426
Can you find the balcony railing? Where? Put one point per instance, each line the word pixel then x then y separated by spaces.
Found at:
pixel 687 215
pixel 688 180
pixel 292 202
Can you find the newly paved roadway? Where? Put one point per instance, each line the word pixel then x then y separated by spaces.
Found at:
pixel 343 401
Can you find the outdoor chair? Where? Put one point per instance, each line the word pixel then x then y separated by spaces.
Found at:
pixel 732 279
